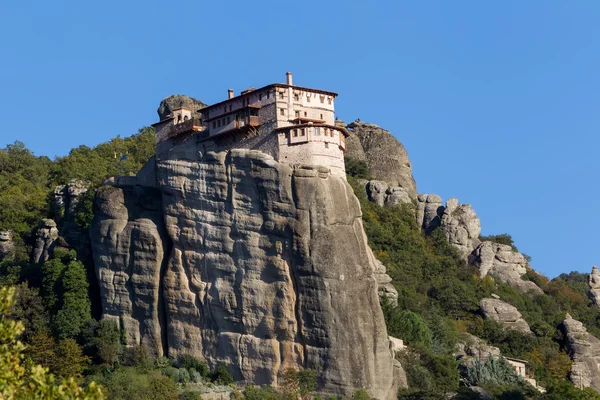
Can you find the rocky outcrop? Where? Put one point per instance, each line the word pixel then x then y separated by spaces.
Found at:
pixel 461 226
pixel 386 289
pixel 385 156
pixel 381 193
pixel 264 268
pixel 507 265
pixel 429 211
pixel 594 284
pixel 66 198
pixel 584 350
pixel 130 245
pixel 166 107
pixel 7 246
pixel 470 347
pixel 505 314
pixel 45 237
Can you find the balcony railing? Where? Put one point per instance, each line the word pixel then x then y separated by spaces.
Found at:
pixel 193 124
pixel 252 120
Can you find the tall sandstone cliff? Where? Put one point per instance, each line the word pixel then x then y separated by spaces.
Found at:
pixel 238 259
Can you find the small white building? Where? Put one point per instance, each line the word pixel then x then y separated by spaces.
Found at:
pixel 296 125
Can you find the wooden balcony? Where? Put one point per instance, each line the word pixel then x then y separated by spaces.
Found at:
pixel 249 121
pixel 191 125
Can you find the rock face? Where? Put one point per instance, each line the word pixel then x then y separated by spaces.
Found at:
pixel 263 268
pixel 461 226
pixel 129 245
pixel 594 284
pixel 504 263
pixel 584 350
pixel 7 247
pixel 176 101
pixel 45 236
pixel 505 314
pixel 385 156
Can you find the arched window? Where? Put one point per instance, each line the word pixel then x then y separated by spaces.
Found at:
pixel 185 118
pixel 178 118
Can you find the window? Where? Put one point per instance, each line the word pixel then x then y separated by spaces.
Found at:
pixel 303 132
pixel 178 118
pixel 225 109
pixel 260 96
pixel 305 114
pixel 282 111
pixel 317 131
pixel 185 118
pixel 281 95
pixel 322 99
pixel 295 132
pixel 228 120
pixel 297 113
pixel 326 145
pixel 308 98
pixel 214 124
pixel 326 132
pixel 296 97
pixel 230 107
pixel 321 116
pixel 218 123
pixel 329 100
pixel 268 93
pixel 207 114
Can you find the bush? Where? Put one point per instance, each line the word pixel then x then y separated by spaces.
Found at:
pixel 172 373
pixel 496 371
pixel 261 393
pixel 408 326
pixel 221 375
pixel 357 169
pixel 188 361
pixel 184 375
pixel 195 376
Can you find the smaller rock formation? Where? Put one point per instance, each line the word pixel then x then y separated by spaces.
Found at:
pixel 461 226
pixel 429 211
pixel 166 107
pixel 45 236
pixel 470 346
pixel 66 198
pixel 505 264
pixel 7 246
pixel 381 193
pixel 397 345
pixel 584 350
pixel 385 156
pixel 384 283
pixel 505 314
pixel 594 284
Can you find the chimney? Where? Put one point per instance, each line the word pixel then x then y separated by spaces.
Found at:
pixel 230 93
pixel 288 76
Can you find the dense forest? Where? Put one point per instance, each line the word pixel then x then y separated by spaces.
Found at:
pixel 57 303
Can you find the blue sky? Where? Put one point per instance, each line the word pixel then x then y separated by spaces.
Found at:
pixel 496 102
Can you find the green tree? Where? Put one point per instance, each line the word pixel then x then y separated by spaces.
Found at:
pixel 20 382
pixel 408 326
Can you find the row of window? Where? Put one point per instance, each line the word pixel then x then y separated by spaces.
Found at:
pixel 221 122
pixel 302 132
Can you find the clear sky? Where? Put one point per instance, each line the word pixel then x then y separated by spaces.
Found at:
pixel 496 102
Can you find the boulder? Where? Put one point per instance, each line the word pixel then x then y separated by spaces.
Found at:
pixel 503 262
pixel 385 156
pixel 387 291
pixel 381 193
pixel 166 107
pixel 594 284
pixel 461 226
pixel 584 350
pixel 429 211
pixel 7 246
pixel 45 237
pixel 505 314
pixel 470 346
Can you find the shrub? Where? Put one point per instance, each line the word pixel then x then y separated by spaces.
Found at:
pixel 357 169
pixel 184 375
pixel 187 361
pixel 221 375
pixel 261 393
pixel 195 376
pixel 491 370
